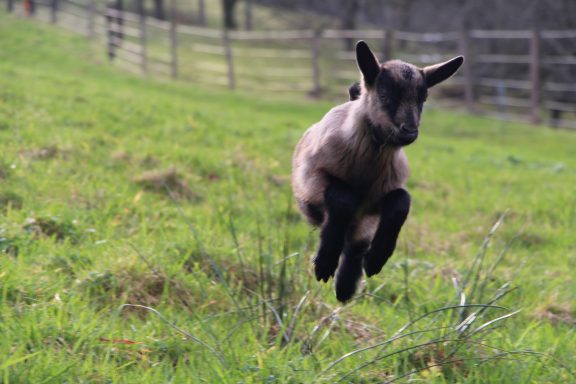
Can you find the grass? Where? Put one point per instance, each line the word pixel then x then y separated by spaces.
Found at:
pixel 148 234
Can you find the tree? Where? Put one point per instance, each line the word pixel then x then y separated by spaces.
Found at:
pixel 229 9
pixel 201 20
pixel 159 12
pixel 349 11
pixel 248 15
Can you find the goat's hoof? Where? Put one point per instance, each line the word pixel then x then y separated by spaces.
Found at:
pixel 345 288
pixel 345 293
pixel 349 273
pixel 373 264
pixel 324 270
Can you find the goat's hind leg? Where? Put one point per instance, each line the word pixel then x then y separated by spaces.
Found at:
pixel 394 208
pixel 350 270
pixel 340 208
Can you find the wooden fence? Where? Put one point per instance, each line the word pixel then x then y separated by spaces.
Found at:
pixel 516 75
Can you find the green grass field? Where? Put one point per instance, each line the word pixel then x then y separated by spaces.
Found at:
pixel 175 199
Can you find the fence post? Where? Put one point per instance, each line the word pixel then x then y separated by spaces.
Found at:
pixel 229 58
pixel 535 93
pixel 109 33
pixel 173 41
pixel 143 40
pixel 91 14
pixel 53 11
pixel 315 46
pixel 119 20
pixel 467 70
pixel 9 5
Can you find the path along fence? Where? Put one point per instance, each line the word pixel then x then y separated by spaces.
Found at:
pixel 527 75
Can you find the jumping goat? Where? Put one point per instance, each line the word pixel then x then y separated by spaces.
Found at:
pixel 349 169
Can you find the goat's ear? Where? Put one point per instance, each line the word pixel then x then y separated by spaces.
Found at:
pixel 367 63
pixel 437 73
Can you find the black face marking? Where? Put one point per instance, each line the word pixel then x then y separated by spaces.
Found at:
pixel 402 92
pixel 389 93
pixel 407 73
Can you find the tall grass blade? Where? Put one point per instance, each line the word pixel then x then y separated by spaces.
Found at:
pixel 178 329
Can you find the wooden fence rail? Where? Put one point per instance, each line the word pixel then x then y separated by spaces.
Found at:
pixel 495 79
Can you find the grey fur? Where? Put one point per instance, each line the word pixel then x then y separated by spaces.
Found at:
pixel 360 143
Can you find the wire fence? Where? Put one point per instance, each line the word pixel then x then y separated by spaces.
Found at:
pixel 527 75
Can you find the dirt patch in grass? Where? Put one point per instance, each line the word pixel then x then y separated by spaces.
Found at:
pixel 245 275
pixel 167 182
pixel 149 161
pixel 80 199
pixel 10 200
pixel 528 240
pixel 121 156
pixel 43 153
pixel 212 176
pixel 5 170
pixel 557 314
pixel 435 359
pixel 42 227
pixel 68 264
pixel 151 289
pixel 8 245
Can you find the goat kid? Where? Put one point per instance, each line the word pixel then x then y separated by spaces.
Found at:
pixel 349 169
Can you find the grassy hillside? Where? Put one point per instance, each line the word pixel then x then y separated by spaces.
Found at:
pixel 117 190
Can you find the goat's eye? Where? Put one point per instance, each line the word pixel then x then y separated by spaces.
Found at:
pixel 391 95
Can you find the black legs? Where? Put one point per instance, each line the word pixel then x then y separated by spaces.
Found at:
pixel 394 209
pixel 341 205
pixel 349 271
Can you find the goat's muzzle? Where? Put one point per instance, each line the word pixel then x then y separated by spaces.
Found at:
pixel 405 135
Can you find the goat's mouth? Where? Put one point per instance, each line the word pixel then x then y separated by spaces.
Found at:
pixel 404 135
pixel 399 136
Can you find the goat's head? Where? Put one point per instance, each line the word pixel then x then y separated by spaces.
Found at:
pixel 394 93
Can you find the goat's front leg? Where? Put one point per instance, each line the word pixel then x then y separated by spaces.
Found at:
pixel 394 208
pixel 340 205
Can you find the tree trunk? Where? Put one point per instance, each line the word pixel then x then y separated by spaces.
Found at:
pixel 201 12
pixel 349 9
pixel 248 15
pixel 229 7
pixel 159 10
